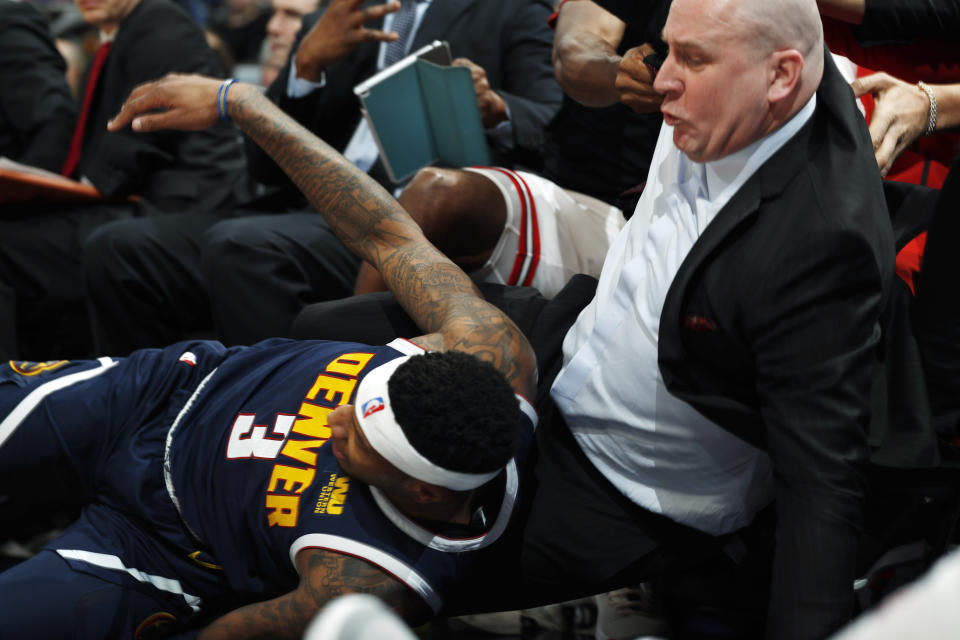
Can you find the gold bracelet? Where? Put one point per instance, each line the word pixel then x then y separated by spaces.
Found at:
pixel 932 119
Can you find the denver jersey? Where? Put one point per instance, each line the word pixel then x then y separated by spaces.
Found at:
pixel 248 466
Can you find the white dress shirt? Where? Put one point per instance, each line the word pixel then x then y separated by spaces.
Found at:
pixel 655 448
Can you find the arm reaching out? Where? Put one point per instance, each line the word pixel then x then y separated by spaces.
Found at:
pixel 436 293
pixel 338 32
pixel 587 65
pixel 324 575
pixel 585 58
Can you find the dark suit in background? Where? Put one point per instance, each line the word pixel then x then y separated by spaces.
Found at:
pixel 890 21
pixel 258 271
pixel 40 245
pixel 37 111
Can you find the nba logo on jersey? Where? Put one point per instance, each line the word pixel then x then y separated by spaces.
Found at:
pixel 372 406
pixel 189 358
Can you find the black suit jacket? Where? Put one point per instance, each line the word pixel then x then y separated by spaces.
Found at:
pixel 37 111
pixel 171 170
pixel 770 329
pixel 890 21
pixel 510 39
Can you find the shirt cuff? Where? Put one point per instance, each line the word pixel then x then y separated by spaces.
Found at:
pixel 298 87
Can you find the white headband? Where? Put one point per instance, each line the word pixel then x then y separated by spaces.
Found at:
pixel 375 415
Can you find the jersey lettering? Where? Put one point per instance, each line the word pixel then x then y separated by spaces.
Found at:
pixel 332 495
pixel 249 440
pixel 332 388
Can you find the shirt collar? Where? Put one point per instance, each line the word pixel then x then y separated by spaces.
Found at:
pixel 724 172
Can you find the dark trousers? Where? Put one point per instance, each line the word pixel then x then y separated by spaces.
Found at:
pixel 574 533
pixel 241 276
pixel 42 309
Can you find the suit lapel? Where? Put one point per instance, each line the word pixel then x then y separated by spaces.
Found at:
pixel 768 181
pixel 436 23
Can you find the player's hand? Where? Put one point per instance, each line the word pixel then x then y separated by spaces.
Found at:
pixel 339 31
pixel 635 81
pixel 900 115
pixel 185 102
pixel 493 108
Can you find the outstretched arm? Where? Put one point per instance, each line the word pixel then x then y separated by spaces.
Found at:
pixel 435 292
pixel 585 58
pixel 588 67
pixel 324 575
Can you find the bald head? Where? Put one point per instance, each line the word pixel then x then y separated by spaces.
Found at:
pixel 737 70
pixel 775 25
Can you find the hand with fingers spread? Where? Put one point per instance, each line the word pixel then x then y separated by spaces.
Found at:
pixel 900 115
pixel 338 32
pixel 635 80
pixel 493 108
pixel 178 101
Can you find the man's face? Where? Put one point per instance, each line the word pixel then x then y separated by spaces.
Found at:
pixel 284 24
pixel 714 84
pixel 354 453
pixel 106 15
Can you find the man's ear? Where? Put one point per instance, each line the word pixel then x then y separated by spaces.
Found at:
pixel 426 493
pixel 786 70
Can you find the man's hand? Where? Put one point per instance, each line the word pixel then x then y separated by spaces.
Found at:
pixel 185 102
pixel 635 81
pixel 339 31
pixel 493 108
pixel 900 115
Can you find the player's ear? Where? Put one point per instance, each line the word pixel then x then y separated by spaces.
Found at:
pixel 426 493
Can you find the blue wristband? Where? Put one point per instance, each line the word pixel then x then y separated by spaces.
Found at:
pixel 222 99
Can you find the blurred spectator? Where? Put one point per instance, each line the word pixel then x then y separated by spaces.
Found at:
pixel 159 269
pixel 282 31
pixel 77 40
pixel 37 111
pixel 40 244
pixel 241 24
pixel 223 51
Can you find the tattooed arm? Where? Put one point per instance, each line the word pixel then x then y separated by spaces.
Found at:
pixel 324 575
pixel 435 292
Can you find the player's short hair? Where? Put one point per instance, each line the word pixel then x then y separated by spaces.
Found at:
pixel 458 411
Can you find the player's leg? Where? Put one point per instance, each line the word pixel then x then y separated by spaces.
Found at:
pixel 44 598
pixel 34 462
pixel 67 417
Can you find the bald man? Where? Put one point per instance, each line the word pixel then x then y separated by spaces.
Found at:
pixel 724 364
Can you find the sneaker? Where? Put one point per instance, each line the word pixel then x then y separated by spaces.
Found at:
pixel 630 613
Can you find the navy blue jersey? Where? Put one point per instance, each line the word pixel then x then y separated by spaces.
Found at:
pixel 223 459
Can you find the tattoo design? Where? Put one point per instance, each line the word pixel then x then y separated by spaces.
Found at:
pixel 324 575
pixel 437 294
